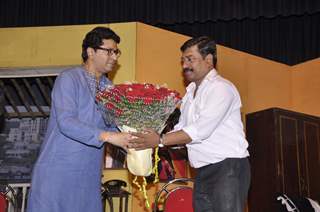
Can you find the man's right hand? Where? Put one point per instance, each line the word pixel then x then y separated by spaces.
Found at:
pixel 120 139
pixel 144 140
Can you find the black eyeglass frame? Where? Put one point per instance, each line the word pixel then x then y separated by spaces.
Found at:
pixel 110 52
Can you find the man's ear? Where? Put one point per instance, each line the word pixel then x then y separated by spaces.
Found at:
pixel 90 51
pixel 209 59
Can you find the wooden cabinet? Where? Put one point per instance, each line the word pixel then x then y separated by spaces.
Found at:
pixel 285 157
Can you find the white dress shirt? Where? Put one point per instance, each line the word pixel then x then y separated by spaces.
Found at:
pixel 213 121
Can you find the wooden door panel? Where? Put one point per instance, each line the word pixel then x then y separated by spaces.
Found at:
pixel 312 159
pixel 289 155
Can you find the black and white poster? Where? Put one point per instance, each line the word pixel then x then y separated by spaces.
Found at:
pixel 20 141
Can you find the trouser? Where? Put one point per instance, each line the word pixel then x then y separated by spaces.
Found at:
pixel 222 187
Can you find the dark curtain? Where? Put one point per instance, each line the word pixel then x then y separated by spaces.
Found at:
pixel 65 12
pixel 281 30
pixel 289 40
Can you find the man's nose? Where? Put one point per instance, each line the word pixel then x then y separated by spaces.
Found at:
pixel 184 64
pixel 114 57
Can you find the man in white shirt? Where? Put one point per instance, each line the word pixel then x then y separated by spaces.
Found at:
pixel 210 126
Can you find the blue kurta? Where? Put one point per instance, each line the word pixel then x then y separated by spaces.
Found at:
pixel 67 174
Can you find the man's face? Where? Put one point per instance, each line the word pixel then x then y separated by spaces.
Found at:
pixel 105 59
pixel 194 67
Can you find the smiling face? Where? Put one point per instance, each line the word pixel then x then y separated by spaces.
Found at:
pixel 194 66
pixel 103 59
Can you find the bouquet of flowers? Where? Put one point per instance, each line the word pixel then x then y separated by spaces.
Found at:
pixel 134 107
pixel 138 106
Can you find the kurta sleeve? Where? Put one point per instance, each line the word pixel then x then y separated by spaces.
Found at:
pixel 65 97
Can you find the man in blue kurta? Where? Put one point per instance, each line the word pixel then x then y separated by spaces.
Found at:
pixel 67 174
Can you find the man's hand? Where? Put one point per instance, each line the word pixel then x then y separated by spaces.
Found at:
pixel 147 139
pixel 119 139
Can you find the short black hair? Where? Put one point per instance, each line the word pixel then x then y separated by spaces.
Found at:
pixel 95 38
pixel 206 46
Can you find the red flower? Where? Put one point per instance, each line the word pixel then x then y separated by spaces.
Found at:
pixel 139 105
pixel 147 101
pixel 109 105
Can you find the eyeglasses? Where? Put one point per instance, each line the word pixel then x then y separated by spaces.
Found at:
pixel 188 60
pixel 111 52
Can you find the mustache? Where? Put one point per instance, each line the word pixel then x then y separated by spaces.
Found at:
pixel 112 62
pixel 187 69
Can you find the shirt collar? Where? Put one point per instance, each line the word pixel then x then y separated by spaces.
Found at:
pixel 209 77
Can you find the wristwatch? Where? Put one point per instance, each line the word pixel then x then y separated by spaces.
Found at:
pixel 161 141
